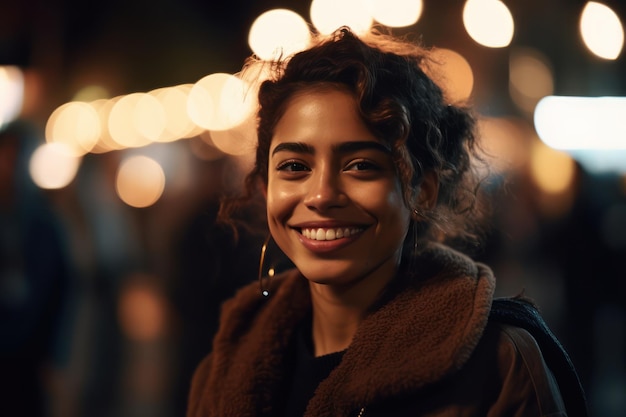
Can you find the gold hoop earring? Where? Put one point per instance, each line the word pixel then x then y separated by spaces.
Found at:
pixel 264 281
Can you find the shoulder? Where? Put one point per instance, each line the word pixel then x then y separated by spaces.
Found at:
pixel 526 380
pixel 518 348
pixel 254 334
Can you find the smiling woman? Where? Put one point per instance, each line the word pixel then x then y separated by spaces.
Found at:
pixel 328 173
pixel 368 175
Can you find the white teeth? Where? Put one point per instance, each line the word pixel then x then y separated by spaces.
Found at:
pixel 330 234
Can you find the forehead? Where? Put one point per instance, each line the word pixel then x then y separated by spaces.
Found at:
pixel 321 117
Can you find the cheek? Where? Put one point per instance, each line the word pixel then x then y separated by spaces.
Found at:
pixel 394 197
pixel 280 202
pixel 399 213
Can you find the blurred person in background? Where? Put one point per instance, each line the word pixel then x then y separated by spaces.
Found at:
pixel 35 283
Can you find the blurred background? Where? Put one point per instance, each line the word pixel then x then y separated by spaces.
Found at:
pixel 122 123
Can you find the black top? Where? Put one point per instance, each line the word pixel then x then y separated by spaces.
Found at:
pixel 308 372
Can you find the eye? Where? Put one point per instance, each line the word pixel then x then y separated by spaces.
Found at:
pixel 292 166
pixel 362 165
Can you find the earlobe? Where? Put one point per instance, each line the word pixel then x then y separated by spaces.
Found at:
pixel 428 191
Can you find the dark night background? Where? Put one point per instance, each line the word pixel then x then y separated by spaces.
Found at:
pixel 67 339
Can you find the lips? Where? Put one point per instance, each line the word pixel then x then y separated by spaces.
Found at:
pixel 334 233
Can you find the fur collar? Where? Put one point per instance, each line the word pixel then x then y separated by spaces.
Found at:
pixel 421 334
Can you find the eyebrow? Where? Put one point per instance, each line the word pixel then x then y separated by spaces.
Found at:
pixel 296 147
pixel 345 147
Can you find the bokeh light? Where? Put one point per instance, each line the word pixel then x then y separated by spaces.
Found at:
pixel 530 78
pixel 329 15
pixel 453 74
pixel 91 93
pixel 239 140
pixel 552 170
pixel 581 122
pixel 178 124
pixel 53 165
pixel 505 142
pixel 278 33
pixel 105 142
pixel 220 101
pixel 136 120
pixel 396 13
pixel 601 30
pixel 11 93
pixel 142 310
pixel 488 22
pixel 554 175
pixel 76 124
pixel 140 181
pixel 149 116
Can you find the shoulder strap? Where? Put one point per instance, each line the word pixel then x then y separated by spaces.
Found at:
pixel 522 313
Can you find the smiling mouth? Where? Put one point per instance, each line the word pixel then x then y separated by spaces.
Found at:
pixel 331 233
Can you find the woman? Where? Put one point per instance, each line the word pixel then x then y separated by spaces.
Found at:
pixel 365 170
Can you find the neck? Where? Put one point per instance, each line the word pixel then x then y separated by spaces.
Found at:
pixel 334 324
pixel 337 313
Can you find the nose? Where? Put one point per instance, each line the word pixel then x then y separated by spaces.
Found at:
pixel 324 191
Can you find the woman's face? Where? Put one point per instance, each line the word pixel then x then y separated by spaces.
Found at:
pixel 335 204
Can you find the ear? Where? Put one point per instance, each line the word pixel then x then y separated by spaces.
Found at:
pixel 428 191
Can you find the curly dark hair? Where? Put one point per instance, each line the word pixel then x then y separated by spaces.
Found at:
pixel 402 106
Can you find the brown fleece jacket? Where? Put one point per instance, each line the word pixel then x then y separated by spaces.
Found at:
pixel 428 342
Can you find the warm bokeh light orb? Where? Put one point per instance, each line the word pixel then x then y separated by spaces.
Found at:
pixel 140 181
pixel 278 33
pixel 136 120
pixel 329 15
pixel 553 171
pixel 149 117
pixel 488 22
pixel 178 124
pixel 105 142
pixel 530 78
pixel 53 166
pixel 220 101
pixel 142 312
pixel 453 74
pixel 505 142
pixel 76 124
pixel 11 93
pixel 396 13
pixel 601 30
pixel 91 93
pixel 239 140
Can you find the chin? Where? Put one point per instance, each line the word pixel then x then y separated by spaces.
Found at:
pixel 327 274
